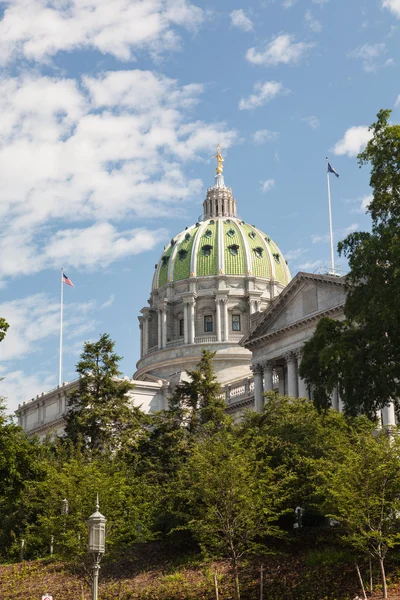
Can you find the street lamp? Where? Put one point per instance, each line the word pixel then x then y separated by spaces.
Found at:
pixel 96 547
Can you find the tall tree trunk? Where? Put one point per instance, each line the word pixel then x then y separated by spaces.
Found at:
pixel 361 582
pixel 236 580
pixel 371 580
pixel 383 576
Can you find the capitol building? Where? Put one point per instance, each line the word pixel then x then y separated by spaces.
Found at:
pixel 222 285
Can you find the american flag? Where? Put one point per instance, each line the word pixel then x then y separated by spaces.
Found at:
pixel 67 280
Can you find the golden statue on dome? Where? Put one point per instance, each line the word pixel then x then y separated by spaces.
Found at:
pixel 220 160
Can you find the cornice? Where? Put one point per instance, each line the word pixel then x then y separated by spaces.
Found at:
pixel 279 300
pixel 296 325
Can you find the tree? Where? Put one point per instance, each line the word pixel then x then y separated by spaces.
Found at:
pixel 3 328
pixel 361 355
pixel 233 501
pixel 363 494
pixel 127 501
pixel 198 401
pixel 99 411
pixel 20 467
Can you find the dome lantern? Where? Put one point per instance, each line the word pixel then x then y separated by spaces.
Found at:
pixel 219 201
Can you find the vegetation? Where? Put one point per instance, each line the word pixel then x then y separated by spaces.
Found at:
pixel 199 488
pixel 361 355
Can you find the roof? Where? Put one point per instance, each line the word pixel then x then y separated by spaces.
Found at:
pixel 221 246
pixel 277 305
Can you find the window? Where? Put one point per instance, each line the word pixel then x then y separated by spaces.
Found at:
pixel 235 322
pixel 165 260
pixel 231 232
pixel 207 250
pixel 252 234
pixel 258 252
pixel 187 237
pixel 181 327
pixel 208 323
pixel 208 233
pixel 182 254
pixel 233 249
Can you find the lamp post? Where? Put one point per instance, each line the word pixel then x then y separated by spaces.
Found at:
pixel 96 546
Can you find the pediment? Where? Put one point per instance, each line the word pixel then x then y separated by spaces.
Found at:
pixel 307 295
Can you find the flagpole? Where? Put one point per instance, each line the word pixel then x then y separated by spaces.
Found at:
pixel 330 219
pixel 61 329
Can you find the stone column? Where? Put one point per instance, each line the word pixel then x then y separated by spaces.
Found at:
pixel 218 318
pixel 159 329
pixel 141 336
pixel 226 324
pixel 280 371
pixel 145 334
pixel 292 375
pixel 164 327
pixel 268 383
pixel 191 322
pixel 185 323
pixel 388 415
pixel 302 386
pixel 165 393
pixel 258 388
pixel 335 399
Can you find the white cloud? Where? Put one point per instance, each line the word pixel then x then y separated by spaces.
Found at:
pixel 267 185
pixel 338 234
pixel 110 149
pixel 354 140
pixel 363 202
pixel 312 121
pixel 281 50
pixel 311 265
pixel 36 318
pixel 320 2
pixel 264 135
pixel 288 3
pixel 264 92
pixel 18 387
pixel 240 20
pixel 312 23
pixel 99 244
pixel 393 6
pixel 294 254
pixel 38 29
pixel 369 53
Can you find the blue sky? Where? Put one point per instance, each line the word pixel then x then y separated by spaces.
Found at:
pixel 109 116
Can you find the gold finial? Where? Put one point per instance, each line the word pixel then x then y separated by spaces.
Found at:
pixel 220 160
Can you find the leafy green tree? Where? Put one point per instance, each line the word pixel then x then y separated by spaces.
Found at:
pixel 198 401
pixel 128 502
pixel 99 411
pixel 233 501
pixel 297 440
pixel 20 466
pixel 363 494
pixel 361 355
pixel 3 328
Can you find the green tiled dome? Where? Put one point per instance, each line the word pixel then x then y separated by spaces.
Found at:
pixel 221 246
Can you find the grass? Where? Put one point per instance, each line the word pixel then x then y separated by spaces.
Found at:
pixel 297 572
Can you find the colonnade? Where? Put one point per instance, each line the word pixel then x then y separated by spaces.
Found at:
pixel 221 325
pixel 293 385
